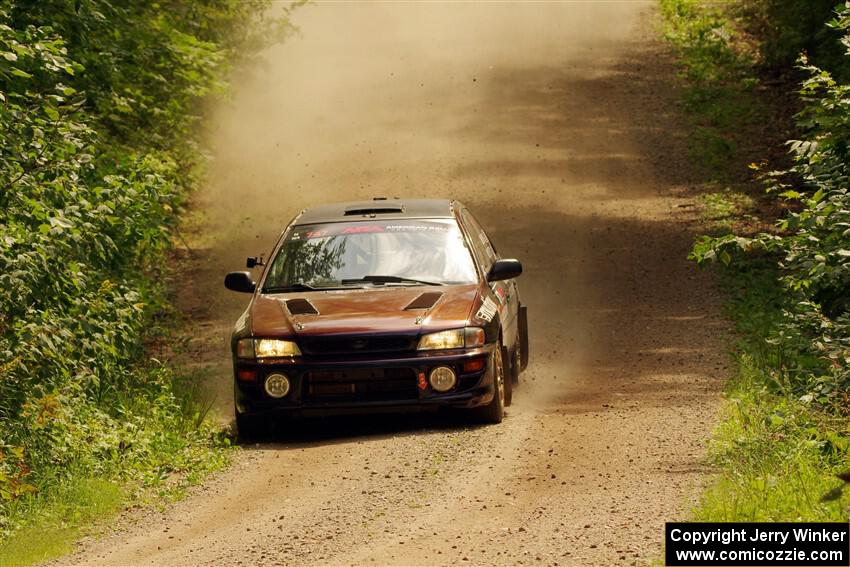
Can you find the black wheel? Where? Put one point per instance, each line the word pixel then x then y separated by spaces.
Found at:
pixel 522 342
pixel 250 427
pixel 494 412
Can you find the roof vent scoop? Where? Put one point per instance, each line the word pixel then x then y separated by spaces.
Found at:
pixel 300 306
pixel 424 301
pixel 376 207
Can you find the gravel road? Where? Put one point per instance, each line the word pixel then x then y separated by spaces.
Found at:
pixel 557 125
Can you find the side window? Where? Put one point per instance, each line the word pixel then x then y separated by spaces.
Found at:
pixel 480 243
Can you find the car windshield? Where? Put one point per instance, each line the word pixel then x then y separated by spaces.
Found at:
pixel 397 252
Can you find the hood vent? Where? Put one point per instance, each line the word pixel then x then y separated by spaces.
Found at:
pixel 301 307
pixel 425 301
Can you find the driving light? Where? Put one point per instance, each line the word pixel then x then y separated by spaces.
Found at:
pixel 442 379
pixel 277 385
pixel 274 348
pixel 453 338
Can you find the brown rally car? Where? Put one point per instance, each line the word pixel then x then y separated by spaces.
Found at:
pixel 383 305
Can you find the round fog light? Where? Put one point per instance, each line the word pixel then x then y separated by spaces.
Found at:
pixel 277 385
pixel 442 379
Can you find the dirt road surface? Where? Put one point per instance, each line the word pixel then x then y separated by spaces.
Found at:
pixel 555 123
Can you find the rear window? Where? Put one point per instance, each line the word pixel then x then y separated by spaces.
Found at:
pixel 337 254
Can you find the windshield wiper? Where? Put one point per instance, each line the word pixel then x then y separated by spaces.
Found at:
pixel 387 279
pixel 297 286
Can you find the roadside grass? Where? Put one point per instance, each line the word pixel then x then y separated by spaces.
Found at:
pixel 777 455
pixel 722 209
pixel 776 452
pixel 166 444
pixel 718 82
pixel 58 518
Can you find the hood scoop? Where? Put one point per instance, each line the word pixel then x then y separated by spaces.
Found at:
pixel 300 306
pixel 424 301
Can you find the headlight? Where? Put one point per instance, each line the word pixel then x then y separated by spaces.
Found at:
pixel 453 338
pixel 442 340
pixel 274 348
pixel 266 348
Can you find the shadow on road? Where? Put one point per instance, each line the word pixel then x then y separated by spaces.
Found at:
pixel 287 433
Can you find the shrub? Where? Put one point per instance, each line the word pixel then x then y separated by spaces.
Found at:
pixel 812 244
pixel 99 107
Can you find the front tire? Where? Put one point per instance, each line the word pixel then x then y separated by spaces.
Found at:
pixel 250 427
pixel 494 412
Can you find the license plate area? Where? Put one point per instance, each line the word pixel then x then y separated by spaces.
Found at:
pixel 364 384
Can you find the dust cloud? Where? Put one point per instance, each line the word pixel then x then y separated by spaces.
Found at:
pixel 386 99
pixel 411 100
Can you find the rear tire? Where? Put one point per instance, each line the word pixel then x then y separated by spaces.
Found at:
pixel 494 412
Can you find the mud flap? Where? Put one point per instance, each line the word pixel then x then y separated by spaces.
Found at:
pixel 523 337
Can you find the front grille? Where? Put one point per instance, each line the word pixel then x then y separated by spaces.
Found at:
pixel 357 345
pixel 361 384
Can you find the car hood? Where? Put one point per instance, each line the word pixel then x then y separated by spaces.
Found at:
pixel 391 309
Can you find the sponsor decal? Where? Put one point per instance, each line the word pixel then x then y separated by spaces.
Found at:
pixel 340 229
pixel 417 228
pixel 501 293
pixel 487 310
pixel 362 229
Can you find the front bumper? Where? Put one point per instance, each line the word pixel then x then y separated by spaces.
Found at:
pixel 364 384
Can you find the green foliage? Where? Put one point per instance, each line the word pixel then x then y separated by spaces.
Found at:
pixel 812 243
pixel 702 36
pixel 721 208
pixel 786 436
pixel 99 113
pixel 778 453
pixel 779 457
pixel 786 28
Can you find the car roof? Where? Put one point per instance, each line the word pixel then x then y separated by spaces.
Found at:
pixel 378 208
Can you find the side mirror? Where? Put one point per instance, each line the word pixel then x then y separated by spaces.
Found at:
pixel 504 270
pixel 240 281
pixel 254 261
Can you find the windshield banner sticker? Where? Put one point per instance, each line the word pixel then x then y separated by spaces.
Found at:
pixel 339 229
